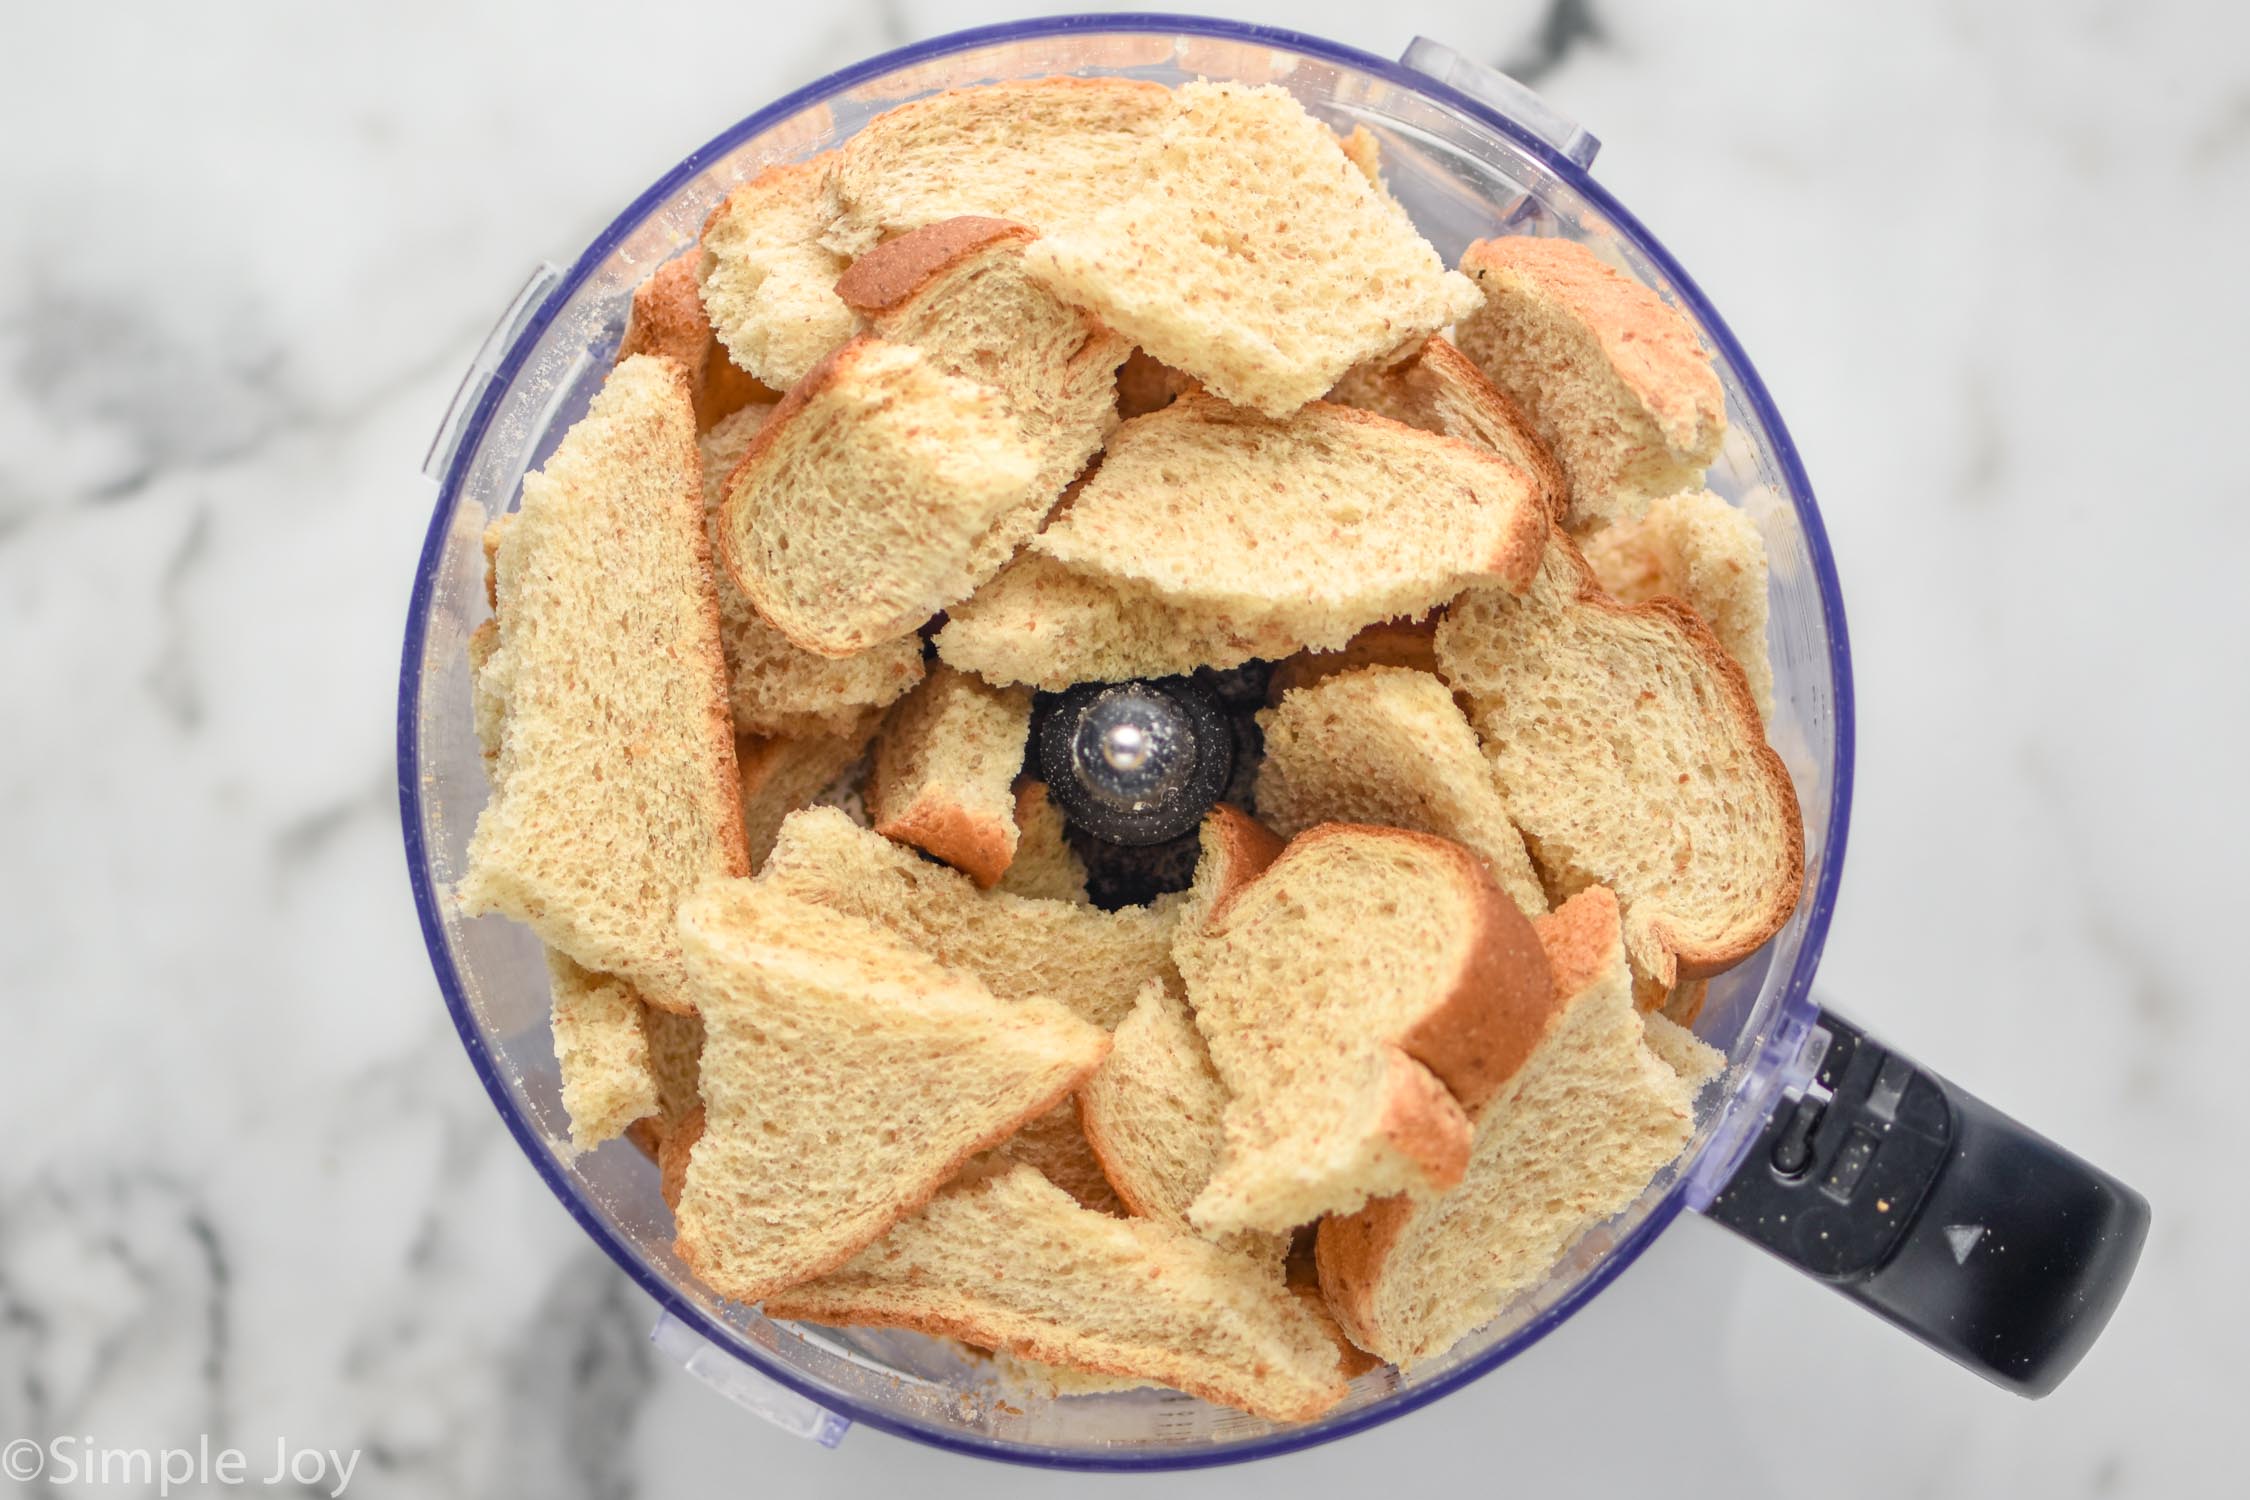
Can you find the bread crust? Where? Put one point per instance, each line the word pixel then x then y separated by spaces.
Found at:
pixel 1647 343
pixel 1497 1008
pixel 1734 689
pixel 979 848
pixel 1246 847
pixel 895 271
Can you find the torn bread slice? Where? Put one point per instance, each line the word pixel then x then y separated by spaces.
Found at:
pixel 1256 256
pixel 768 284
pixel 1356 996
pixel 1411 644
pixel 1317 525
pixel 857 511
pixel 1084 1290
pixel 1056 1144
pixel 602 1048
pixel 1152 1111
pixel 1090 960
pixel 1042 151
pixel 782 774
pixel 1440 389
pixel 1045 625
pixel 1232 849
pixel 1575 1135
pixel 945 772
pixel 1627 748
pixel 1388 745
pixel 1045 866
pixel 776 687
pixel 667 319
pixel 1694 546
pixel 675 1053
pixel 1614 377
pixel 957 291
pixel 845 1077
pixel 615 792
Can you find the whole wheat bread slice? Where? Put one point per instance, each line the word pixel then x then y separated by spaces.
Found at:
pixel 1574 1135
pixel 1440 389
pixel 945 772
pixel 1355 996
pixel 769 285
pixel 1045 866
pixel 1318 525
pixel 1042 151
pixel 1694 546
pixel 1388 745
pixel 957 291
pixel 602 1048
pixel 1627 748
pixel 1084 1290
pixel 844 1077
pixel 857 512
pixel 1255 256
pixel 775 687
pixel 1614 378
pixel 667 319
pixel 785 773
pixel 1090 960
pixel 615 792
pixel 1045 625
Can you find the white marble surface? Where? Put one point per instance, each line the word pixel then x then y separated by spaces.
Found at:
pixel 1987 258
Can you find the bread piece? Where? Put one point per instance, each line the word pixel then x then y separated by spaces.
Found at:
pixel 781 775
pixel 1145 384
pixel 675 1053
pixel 1126 1297
pixel 845 1077
pixel 1256 257
pixel 1045 866
pixel 1090 960
pixel 857 512
pixel 488 701
pixel 1355 997
pixel 1388 746
pixel 675 1148
pixel 1364 152
pixel 769 286
pixel 1046 1382
pixel 1694 546
pixel 1573 1137
pixel 1232 849
pixel 1695 1060
pixel 601 1045
pixel 494 530
pixel 615 792
pixel 1440 389
pixel 1318 525
pixel 1055 1143
pixel 1152 1111
pixel 1391 643
pixel 1042 624
pixel 667 319
pixel 1628 750
pixel 1619 386
pixel 777 688
pixel 945 772
pixel 1042 151
pixel 957 291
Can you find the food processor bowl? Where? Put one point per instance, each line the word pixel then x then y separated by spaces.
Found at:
pixel 1469 154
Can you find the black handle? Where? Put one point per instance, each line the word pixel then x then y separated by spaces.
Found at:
pixel 1985 1240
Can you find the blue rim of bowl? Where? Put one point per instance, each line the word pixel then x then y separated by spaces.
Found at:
pixel 1795 999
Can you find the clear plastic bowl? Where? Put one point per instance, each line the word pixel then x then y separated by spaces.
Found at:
pixel 1469 154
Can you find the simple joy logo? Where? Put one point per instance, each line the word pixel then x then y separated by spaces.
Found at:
pixel 79 1460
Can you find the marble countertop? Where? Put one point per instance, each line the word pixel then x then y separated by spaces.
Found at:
pixel 1986 256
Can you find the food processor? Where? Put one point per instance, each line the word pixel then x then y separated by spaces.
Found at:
pixel 1848 1159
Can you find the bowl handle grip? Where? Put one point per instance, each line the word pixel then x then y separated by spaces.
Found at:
pixel 1924 1204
